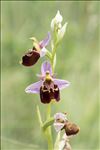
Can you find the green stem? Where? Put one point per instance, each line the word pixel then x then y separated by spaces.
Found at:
pixel 48 129
pixel 53 55
pixel 49 135
pixel 48 110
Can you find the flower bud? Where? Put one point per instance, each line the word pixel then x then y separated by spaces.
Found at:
pixel 61 32
pixel 56 21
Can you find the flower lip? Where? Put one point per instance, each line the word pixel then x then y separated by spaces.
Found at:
pixel 49 91
pixel 71 128
pixel 30 58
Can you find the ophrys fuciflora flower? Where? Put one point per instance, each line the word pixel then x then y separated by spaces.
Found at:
pixel 38 50
pixel 48 87
pixel 61 122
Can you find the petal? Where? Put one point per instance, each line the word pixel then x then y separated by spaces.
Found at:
pixel 58 17
pixel 45 42
pixel 61 32
pixel 43 52
pixel 46 67
pixel 61 83
pixel 34 88
pixel 60 116
pixel 58 126
pixel 52 24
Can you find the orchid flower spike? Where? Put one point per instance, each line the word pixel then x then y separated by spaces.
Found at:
pixel 38 50
pixel 48 87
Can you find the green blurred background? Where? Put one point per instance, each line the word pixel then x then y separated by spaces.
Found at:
pixel 77 62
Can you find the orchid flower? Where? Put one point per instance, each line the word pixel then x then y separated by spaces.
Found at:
pixel 38 50
pixel 61 122
pixel 48 87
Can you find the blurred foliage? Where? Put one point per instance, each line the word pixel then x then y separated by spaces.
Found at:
pixel 77 61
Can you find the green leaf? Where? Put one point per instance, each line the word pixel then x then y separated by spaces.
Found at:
pixel 48 123
pixel 39 115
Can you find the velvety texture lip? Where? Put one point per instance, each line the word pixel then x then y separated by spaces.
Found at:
pixel 71 128
pixel 30 58
pixel 49 92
